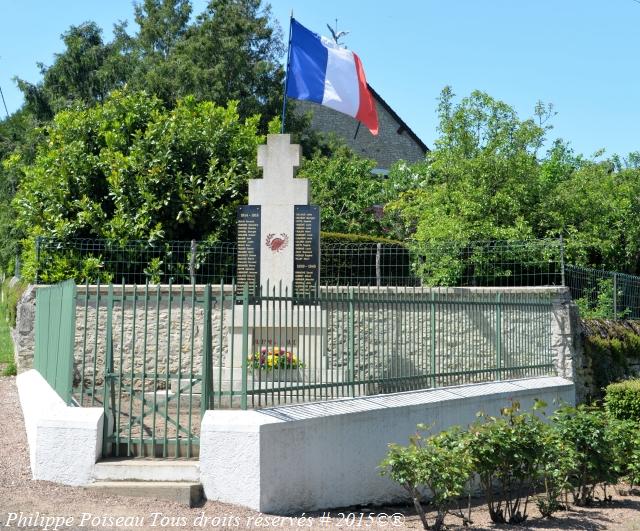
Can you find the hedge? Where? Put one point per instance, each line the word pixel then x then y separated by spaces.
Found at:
pixel 622 400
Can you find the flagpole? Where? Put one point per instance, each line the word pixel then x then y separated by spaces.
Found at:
pixel 286 77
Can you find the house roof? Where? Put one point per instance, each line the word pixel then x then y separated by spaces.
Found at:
pixel 396 117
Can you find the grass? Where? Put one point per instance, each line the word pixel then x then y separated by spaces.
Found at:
pixel 6 345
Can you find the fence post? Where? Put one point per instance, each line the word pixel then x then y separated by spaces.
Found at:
pixel 245 344
pixel 562 260
pixel 207 376
pixel 615 295
pixel 433 339
pixel 37 279
pixel 109 407
pixel 351 343
pixel 378 260
pixel 498 336
pixel 192 262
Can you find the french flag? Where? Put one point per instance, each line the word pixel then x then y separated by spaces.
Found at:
pixel 323 72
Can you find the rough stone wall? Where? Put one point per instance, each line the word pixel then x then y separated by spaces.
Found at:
pixel 23 333
pixel 389 340
pixel 606 351
pixel 390 145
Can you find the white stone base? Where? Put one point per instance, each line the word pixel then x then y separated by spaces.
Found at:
pixel 323 455
pixel 64 442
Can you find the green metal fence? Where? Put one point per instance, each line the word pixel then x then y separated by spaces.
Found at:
pixel 137 262
pixel 357 342
pixel 157 357
pixel 604 294
pixel 54 336
pixel 443 263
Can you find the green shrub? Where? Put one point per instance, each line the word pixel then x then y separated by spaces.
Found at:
pixel 557 462
pixel 598 302
pixel 587 431
pixel 506 452
pixel 339 237
pixel 633 465
pixel 513 455
pixel 440 463
pixel 624 439
pixel 622 400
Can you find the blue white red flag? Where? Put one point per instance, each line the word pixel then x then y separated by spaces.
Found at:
pixel 325 73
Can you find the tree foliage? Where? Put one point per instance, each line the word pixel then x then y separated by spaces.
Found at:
pixel 229 52
pixel 351 196
pixel 487 178
pixel 131 169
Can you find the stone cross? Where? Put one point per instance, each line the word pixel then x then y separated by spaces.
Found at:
pixel 277 193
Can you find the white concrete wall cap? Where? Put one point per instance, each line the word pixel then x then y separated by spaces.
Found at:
pixel 73 417
pixel 424 398
pixel 232 420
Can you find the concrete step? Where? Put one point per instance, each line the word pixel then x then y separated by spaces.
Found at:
pixel 147 470
pixel 182 492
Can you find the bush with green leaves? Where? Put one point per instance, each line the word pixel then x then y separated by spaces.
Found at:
pixel 506 452
pixel 515 454
pixel 633 465
pixel 588 431
pixel 622 400
pixel 624 436
pixel 439 464
pixel 131 169
pixel 557 462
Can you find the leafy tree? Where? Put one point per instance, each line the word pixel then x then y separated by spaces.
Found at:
pixel 162 24
pixel 480 180
pixel 352 197
pixel 86 72
pixel 231 52
pixel 19 136
pixel 132 170
pixel 486 179
pixel 598 209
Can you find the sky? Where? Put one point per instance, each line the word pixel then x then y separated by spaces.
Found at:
pixel 579 55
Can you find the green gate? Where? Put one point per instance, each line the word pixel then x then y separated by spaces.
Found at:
pixel 146 359
pixel 54 336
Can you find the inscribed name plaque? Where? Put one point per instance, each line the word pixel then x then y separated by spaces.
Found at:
pixel 306 252
pixel 248 260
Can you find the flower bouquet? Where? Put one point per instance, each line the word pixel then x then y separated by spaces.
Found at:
pixel 274 358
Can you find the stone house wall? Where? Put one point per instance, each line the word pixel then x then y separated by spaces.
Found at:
pixel 392 143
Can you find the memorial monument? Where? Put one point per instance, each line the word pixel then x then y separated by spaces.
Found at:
pixel 279 258
pixel 278 231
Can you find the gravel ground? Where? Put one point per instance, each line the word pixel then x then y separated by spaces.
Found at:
pixel 81 509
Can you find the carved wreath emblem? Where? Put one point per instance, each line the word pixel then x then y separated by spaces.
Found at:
pixel 277 243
